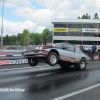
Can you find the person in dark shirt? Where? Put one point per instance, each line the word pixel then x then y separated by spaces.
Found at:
pixel 94 48
pixel 81 47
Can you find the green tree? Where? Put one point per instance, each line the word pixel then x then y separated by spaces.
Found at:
pixel 78 17
pixel 37 39
pixel 45 36
pixel 85 16
pixel 96 16
pixel 32 38
pixel 19 38
pixel 24 37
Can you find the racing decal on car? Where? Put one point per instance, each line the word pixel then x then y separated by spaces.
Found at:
pixel 77 60
pixel 68 59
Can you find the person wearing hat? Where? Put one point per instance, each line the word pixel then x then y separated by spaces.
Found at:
pixel 94 48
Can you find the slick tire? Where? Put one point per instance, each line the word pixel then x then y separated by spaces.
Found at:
pixel 32 61
pixel 81 65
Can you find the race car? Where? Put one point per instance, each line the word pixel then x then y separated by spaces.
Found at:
pixel 64 54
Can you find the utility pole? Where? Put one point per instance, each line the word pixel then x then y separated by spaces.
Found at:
pixel 2 26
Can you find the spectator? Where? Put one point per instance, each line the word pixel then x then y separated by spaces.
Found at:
pixel 94 48
pixel 81 47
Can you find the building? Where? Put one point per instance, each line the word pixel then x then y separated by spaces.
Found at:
pixel 76 31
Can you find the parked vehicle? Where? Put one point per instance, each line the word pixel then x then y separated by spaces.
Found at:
pixel 63 54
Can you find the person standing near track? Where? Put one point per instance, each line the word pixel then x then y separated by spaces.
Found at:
pixel 94 48
pixel 81 47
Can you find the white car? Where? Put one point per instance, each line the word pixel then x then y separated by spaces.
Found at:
pixel 63 54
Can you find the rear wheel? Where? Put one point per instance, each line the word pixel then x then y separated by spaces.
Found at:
pixel 32 61
pixel 52 58
pixel 81 65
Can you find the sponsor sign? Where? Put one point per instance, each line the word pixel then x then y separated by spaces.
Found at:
pixel 60 29
pixel 90 30
pixel 99 30
pixel 10 52
pixel 75 30
pixel 17 61
pixel 96 57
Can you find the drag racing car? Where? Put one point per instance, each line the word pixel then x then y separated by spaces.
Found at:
pixel 63 54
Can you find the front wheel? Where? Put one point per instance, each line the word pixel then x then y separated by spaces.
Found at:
pixel 81 65
pixel 32 61
pixel 52 58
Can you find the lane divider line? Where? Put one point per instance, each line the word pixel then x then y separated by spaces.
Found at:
pixel 76 92
pixel 23 68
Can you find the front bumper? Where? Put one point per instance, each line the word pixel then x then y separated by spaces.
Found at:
pixel 34 54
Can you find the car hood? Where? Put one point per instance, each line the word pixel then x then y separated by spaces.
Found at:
pixel 45 46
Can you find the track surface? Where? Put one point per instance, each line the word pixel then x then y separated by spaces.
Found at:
pixel 45 82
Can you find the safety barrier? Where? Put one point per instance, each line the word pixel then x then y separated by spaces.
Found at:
pixel 10 52
pixel 95 57
pixel 13 60
pixel 22 60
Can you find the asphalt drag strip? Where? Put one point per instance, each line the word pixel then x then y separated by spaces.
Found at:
pixel 50 82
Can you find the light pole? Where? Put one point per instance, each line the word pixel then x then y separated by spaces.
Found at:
pixel 2 26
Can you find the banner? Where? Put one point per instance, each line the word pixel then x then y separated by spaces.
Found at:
pixel 17 61
pixel 90 30
pixel 10 52
pixel 75 30
pixel 96 57
pixel 99 30
pixel 60 29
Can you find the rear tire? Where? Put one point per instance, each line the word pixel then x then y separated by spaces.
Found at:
pixel 81 65
pixel 32 61
pixel 52 59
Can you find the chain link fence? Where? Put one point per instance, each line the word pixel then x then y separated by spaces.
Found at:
pixel 14 46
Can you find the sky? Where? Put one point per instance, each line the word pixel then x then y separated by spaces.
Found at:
pixel 36 15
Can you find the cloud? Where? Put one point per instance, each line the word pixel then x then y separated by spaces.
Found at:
pixel 38 19
pixel 71 9
pixel 40 29
pixel 11 28
pixel 15 3
pixel 41 16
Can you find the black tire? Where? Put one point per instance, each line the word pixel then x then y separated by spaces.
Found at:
pixel 81 65
pixel 32 61
pixel 52 58
pixel 64 65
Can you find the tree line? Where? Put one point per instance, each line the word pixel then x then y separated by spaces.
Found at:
pixel 34 38
pixel 87 16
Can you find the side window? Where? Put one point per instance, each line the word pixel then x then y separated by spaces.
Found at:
pixel 77 49
pixel 69 47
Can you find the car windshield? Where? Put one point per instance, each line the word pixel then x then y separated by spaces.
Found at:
pixel 57 44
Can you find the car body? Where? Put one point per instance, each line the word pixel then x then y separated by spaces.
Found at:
pixel 62 53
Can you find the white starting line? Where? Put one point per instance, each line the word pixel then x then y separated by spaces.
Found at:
pixel 23 68
pixel 76 92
